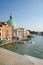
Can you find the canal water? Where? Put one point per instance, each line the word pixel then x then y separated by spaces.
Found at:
pixel 32 47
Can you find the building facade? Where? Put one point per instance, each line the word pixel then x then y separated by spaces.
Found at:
pixel 5 31
pixel 21 32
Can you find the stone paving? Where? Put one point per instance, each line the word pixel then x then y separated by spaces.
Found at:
pixel 11 58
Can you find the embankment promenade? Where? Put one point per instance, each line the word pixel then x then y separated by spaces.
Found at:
pixel 11 58
pixel 13 41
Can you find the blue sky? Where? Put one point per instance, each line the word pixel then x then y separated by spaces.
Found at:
pixel 26 13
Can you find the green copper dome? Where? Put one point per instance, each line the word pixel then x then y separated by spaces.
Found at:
pixel 11 22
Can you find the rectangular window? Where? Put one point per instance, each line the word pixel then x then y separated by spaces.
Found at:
pixel 0 34
pixel 0 29
pixel 0 25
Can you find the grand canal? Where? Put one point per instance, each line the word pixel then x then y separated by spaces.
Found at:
pixel 32 47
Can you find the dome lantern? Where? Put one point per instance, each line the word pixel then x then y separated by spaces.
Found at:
pixel 11 17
